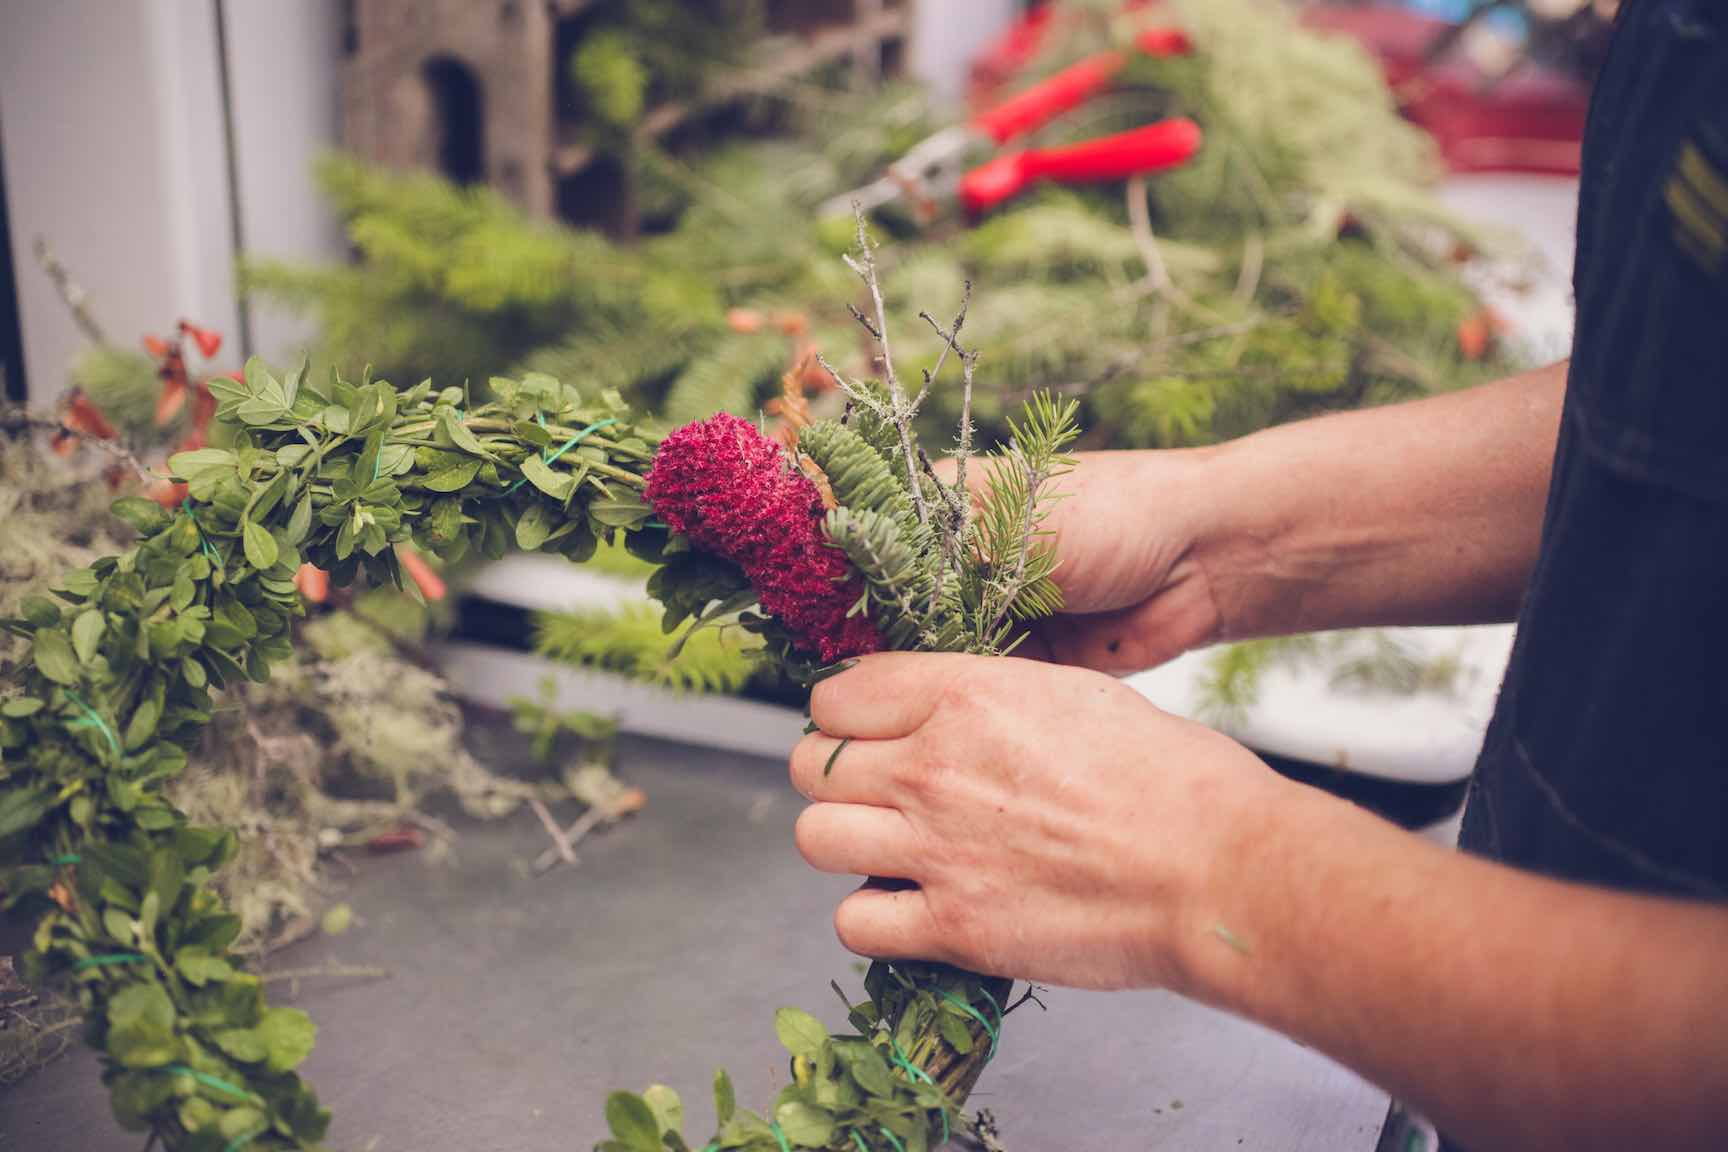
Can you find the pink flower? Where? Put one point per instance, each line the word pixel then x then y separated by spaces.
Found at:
pixel 733 492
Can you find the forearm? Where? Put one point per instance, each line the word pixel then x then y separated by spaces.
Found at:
pixel 1518 1012
pixel 1422 513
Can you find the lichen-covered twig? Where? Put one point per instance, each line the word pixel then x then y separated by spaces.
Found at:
pixel 864 266
pixel 77 300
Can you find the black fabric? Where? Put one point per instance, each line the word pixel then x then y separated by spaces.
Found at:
pixel 1607 758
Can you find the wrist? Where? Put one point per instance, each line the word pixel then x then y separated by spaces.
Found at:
pixel 1252 542
pixel 1272 867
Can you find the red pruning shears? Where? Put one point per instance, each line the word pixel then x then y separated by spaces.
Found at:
pixel 935 171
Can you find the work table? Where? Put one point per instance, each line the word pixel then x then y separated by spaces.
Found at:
pixel 515 1003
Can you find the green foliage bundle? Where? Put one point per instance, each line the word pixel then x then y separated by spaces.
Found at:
pixel 123 661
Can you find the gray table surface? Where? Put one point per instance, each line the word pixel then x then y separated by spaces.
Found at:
pixel 516 1003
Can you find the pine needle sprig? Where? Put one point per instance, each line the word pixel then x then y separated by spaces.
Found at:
pixel 1016 564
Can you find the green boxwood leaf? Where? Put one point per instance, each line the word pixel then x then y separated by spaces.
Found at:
pixel 955 1032
pixel 21 808
pixel 18 707
pixel 668 1109
pixel 260 546
pixel 242 1044
pixel 725 1099
pixel 54 658
pixel 144 514
pixel 189 465
pixel 869 1070
pixel 288 1036
pixel 632 1122
pixel 541 474
pixel 237 1123
pixel 142 726
pixel 118 924
pixel 87 632
pixel 300 522
pixel 452 478
pixel 40 611
pixel 200 968
pixel 800 1032
pixel 533 528
pixel 462 437
pixel 628 511
pixel 141 1027
pixel 805 1126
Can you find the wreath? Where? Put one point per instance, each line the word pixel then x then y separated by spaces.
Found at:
pixel 837 540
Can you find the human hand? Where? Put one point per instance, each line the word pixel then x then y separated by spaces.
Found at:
pixel 1128 532
pixel 1057 825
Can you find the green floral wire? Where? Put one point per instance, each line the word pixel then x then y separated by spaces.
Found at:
pixel 571 443
pixel 989 1029
pixel 93 719
pixel 210 1081
pixel 780 1136
pixel 916 1073
pixel 892 1139
pixel 203 540
pixel 109 959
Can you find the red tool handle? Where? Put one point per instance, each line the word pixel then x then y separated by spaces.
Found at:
pixel 1043 102
pixel 1071 87
pixel 1154 148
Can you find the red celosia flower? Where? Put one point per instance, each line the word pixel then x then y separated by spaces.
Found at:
pixel 733 492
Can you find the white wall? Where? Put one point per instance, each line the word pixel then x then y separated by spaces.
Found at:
pixel 114 152
pixel 949 35
pixel 284 59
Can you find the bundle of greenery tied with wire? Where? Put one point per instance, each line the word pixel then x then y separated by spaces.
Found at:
pixel 844 543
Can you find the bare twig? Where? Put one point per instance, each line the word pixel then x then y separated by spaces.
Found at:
pixel 854 397
pixel 950 341
pixel 865 268
pixel 77 300
pixel 864 320
pixel 1140 224
pixel 595 818
pixel 963 455
pixel 1031 994
pixel 19 420
pixel 560 841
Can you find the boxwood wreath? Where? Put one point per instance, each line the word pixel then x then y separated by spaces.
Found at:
pixel 834 540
